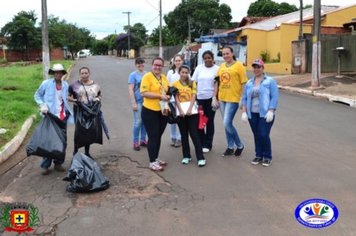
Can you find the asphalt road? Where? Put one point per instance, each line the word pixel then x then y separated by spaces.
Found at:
pixel 313 157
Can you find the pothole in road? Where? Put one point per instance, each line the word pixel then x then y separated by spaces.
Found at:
pixel 128 180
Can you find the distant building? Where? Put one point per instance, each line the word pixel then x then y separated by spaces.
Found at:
pixel 275 35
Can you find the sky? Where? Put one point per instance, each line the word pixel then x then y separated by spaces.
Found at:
pixel 106 16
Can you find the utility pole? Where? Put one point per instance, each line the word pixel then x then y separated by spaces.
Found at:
pixel 128 32
pixel 315 83
pixel 301 20
pixel 160 30
pixel 45 47
pixel 189 30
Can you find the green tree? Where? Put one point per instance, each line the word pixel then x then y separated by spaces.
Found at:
pixel 270 8
pixel 111 41
pixel 22 34
pixel 285 8
pixel 200 15
pixel 62 33
pixel 168 38
pixel 138 35
pixel 100 47
pixel 56 31
pixel 76 38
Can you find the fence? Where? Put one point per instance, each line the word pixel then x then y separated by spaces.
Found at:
pixel 329 54
pixel 152 52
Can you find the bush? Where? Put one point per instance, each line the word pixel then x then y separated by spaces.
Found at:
pixel 265 56
pixel 3 61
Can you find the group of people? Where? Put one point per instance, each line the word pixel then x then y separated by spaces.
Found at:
pixel 210 88
pixel 54 95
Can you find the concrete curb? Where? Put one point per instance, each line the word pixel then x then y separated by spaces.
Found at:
pixel 332 98
pixel 11 147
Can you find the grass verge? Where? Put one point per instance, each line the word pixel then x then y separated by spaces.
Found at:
pixel 18 84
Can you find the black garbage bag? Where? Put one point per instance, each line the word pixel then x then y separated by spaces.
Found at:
pixel 49 138
pixel 105 126
pixel 172 118
pixel 85 175
pixel 88 127
pixel 172 91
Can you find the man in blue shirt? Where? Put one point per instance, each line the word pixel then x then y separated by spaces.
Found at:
pixel 51 97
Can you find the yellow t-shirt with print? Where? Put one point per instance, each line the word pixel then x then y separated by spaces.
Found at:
pixel 185 92
pixel 150 83
pixel 232 79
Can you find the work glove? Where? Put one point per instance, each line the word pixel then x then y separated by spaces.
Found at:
pixel 244 117
pixel 269 116
pixel 215 104
pixel 44 108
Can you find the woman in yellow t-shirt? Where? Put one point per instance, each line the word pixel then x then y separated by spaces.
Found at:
pixel 153 88
pixel 227 95
pixel 188 120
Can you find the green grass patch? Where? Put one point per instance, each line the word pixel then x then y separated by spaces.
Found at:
pixel 18 84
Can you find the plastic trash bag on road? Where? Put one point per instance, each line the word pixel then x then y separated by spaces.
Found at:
pixel 88 126
pixel 49 138
pixel 85 175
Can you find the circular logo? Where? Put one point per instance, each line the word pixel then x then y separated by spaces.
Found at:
pixel 316 213
pixel 184 96
pixel 225 78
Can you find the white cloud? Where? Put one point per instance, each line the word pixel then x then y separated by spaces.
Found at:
pixel 106 17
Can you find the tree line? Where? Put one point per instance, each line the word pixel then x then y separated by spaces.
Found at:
pixel 188 21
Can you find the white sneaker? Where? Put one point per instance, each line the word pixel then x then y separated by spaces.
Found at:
pixel 201 163
pixel 205 150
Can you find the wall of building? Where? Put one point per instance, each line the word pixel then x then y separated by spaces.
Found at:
pixel 256 43
pixel 34 55
pixel 273 45
pixel 278 68
pixel 280 41
pixel 340 17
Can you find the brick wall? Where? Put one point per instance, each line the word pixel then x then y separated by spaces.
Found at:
pixel 35 54
pixel 334 30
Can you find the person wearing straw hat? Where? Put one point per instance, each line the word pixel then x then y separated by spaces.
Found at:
pixel 51 96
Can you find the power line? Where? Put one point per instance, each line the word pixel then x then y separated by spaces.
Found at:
pixel 152 21
pixel 151 5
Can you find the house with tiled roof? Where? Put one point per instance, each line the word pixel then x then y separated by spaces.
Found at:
pixel 273 37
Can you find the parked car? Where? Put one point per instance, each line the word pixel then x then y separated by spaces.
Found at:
pixel 83 53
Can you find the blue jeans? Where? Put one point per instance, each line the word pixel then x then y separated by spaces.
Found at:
pixel 138 129
pixel 175 134
pixel 228 111
pixel 261 130
pixel 47 162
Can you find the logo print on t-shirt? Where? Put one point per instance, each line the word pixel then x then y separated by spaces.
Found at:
pixel 225 78
pixel 184 96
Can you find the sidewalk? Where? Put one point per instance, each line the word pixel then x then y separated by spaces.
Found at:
pixel 342 90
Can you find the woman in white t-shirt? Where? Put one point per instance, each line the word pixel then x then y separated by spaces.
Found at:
pixel 204 76
pixel 173 76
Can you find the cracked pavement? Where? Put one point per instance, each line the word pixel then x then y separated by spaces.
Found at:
pixel 133 190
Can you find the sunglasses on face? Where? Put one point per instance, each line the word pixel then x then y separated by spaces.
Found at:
pixel 256 67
